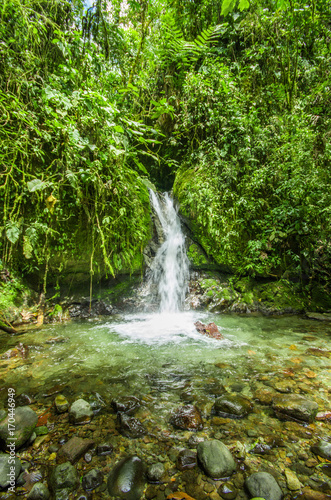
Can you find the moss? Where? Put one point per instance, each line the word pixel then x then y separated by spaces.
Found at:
pixel 248 297
pixel 280 294
pixel 208 283
pixel 196 257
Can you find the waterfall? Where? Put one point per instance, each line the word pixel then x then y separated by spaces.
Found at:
pixel 170 267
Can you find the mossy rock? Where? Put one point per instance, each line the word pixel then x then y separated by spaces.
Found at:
pixel 281 295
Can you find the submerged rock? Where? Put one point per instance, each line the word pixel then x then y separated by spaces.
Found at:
pixel 294 407
pixel 155 472
pixel 126 405
pixel 263 484
pixel 130 427
pixel 25 422
pixel 104 449
pixel 75 448
pixel 39 492
pixel 322 449
pixel 61 404
pixel 64 479
pixel 187 417
pixel 215 459
pixel 126 480
pixel 187 459
pixel 6 468
pixel 92 480
pixel 80 412
pixel 232 405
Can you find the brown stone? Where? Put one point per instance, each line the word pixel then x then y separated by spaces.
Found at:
pixel 210 330
pixel 187 417
pixel 264 396
pixel 309 494
pixel 74 449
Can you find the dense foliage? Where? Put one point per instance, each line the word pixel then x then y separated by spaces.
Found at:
pixel 229 101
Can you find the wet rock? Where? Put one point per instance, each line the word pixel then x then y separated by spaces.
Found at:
pixel 316 351
pixel 194 440
pixel 64 479
pixel 322 449
pixel 155 472
pixel 187 417
pixel 25 422
pixel 179 495
pixel 24 400
pixel 264 396
pixel 263 484
pixel 187 459
pixel 126 405
pixel 39 492
pixel 232 405
pixel 294 407
pixel 126 480
pixel 104 449
pixel 130 427
pixel 292 481
pixel 211 330
pixel 310 494
pixel 227 491
pixel 215 459
pixel 80 412
pixel 6 468
pixel 92 480
pixel 75 448
pixel 61 404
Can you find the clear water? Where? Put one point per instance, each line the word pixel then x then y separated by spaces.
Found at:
pixel 170 268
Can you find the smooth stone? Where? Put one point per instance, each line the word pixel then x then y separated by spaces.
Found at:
pixel 227 491
pixel 73 449
pixel 187 459
pixel 80 412
pixel 5 469
pixel 41 431
pixel 25 422
pixel 216 459
pixel 187 417
pixel 64 479
pixel 322 449
pixel 130 427
pixel 155 472
pixel 292 481
pixel 294 406
pixel 232 405
pixel 126 479
pixel 104 449
pixel 39 492
pixel 263 484
pixel 61 404
pixel 92 480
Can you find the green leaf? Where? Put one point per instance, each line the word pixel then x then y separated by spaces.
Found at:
pixel 12 232
pixel 27 248
pixel 227 6
pixel 243 4
pixel 119 129
pixel 36 185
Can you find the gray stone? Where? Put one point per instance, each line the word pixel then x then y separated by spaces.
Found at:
pixel 25 422
pixel 9 464
pixel 80 412
pixel 232 405
pixel 63 479
pixel 126 480
pixel 92 480
pixel 215 459
pixel 322 449
pixel 39 492
pixel 263 484
pixel 155 472
pixel 294 407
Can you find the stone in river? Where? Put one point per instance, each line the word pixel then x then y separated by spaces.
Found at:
pixel 104 449
pixel 80 412
pixel 92 480
pixel 38 492
pixel 155 472
pixel 187 459
pixel 73 449
pixel 130 427
pixel 210 330
pixel 6 468
pixel 215 459
pixel 126 479
pixel 63 480
pixel 187 417
pixel 25 422
pixel 126 405
pixel 294 407
pixel 263 484
pixel 232 405
pixel 61 404
pixel 322 449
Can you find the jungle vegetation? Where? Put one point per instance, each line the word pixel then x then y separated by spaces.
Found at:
pixel 228 103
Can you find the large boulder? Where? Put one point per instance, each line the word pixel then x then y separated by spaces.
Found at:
pixel 294 407
pixel 263 484
pixel 25 422
pixel 126 479
pixel 232 406
pixel 187 417
pixel 215 459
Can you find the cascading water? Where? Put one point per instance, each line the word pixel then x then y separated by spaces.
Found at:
pixel 170 268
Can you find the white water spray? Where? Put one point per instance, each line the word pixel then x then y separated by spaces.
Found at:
pixel 170 268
